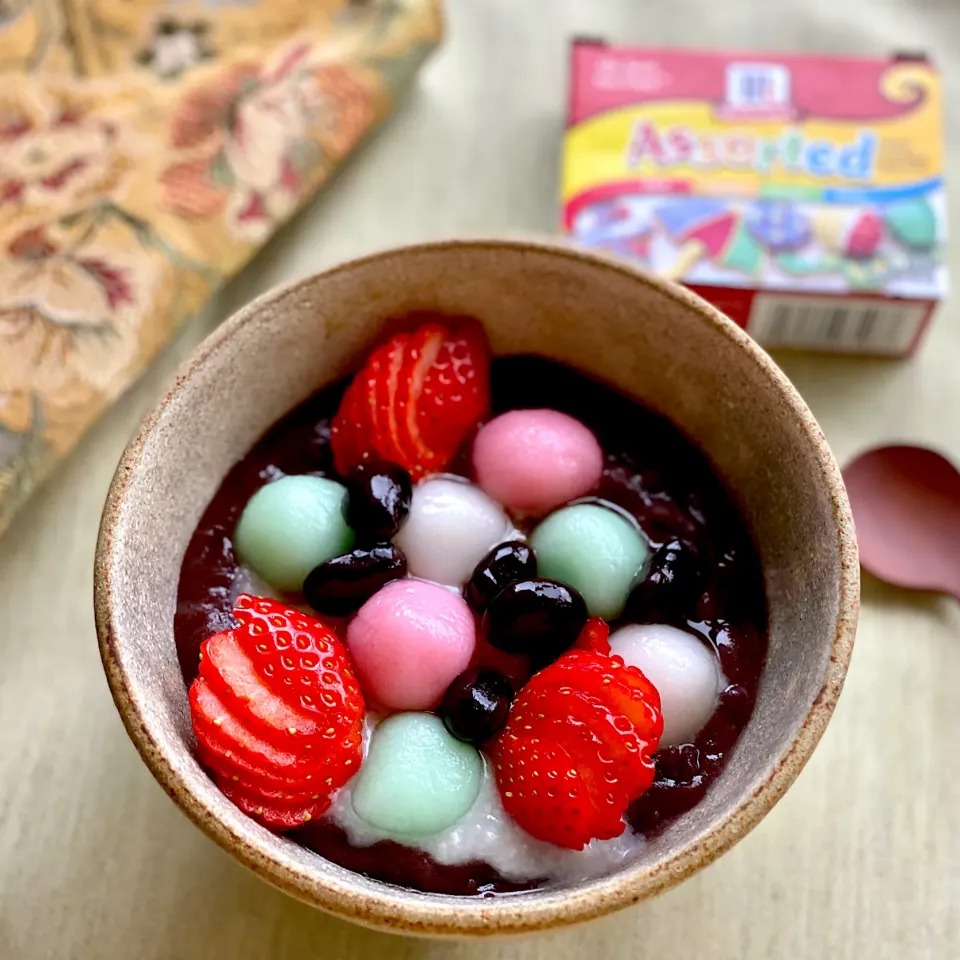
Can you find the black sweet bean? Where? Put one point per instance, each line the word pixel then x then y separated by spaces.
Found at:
pixel 506 562
pixel 342 585
pixel 671 588
pixel 540 618
pixel 377 501
pixel 476 705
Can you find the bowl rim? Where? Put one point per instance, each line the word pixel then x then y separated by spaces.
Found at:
pixel 396 908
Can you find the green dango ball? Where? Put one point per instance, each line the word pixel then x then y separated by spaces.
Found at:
pixel 417 778
pixel 595 550
pixel 290 526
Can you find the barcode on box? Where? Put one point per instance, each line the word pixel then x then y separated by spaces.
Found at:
pixel 850 324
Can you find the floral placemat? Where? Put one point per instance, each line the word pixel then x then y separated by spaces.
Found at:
pixel 147 149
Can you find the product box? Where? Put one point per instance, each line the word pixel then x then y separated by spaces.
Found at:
pixel 803 196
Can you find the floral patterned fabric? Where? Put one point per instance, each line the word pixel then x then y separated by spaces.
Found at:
pixel 147 149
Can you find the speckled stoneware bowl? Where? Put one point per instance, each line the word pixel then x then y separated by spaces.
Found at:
pixel 651 339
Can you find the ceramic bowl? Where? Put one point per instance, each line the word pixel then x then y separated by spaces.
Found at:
pixel 651 339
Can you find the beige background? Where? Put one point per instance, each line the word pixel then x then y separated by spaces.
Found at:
pixel 862 858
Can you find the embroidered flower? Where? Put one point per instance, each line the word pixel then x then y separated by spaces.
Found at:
pixel 56 154
pixel 257 136
pixel 76 295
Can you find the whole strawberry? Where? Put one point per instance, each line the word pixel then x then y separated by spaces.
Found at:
pixel 416 399
pixel 577 748
pixel 277 712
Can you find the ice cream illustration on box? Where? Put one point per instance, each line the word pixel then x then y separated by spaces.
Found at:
pixel 707 229
pixel 914 225
pixel 846 242
pixel 622 226
pixel 779 225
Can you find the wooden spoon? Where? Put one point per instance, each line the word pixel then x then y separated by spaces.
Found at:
pixel 906 508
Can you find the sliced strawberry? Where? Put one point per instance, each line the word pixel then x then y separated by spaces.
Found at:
pixel 226 770
pixel 231 672
pixel 301 660
pixel 641 703
pixel 337 747
pixel 366 426
pixel 214 722
pixel 608 782
pixel 348 430
pixel 273 814
pixel 390 447
pixel 228 763
pixel 616 743
pixel 608 800
pixel 277 713
pixel 625 689
pixel 543 792
pixel 382 378
pixel 416 399
pixel 598 718
pixel 623 769
pixel 367 407
pixel 595 636
pixel 455 395
pixel 422 350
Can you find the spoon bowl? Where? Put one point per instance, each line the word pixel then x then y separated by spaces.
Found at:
pixel 906 508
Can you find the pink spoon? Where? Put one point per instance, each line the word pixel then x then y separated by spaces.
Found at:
pixel 906 508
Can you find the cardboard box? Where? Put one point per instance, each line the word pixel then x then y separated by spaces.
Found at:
pixel 803 196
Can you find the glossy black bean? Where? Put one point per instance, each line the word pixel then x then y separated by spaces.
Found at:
pixel 537 617
pixel 506 562
pixel 672 586
pixel 476 705
pixel 342 585
pixel 377 500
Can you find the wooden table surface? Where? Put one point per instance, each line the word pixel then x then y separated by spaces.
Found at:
pixel 861 860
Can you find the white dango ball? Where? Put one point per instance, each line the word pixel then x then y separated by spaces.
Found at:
pixel 451 527
pixel 684 670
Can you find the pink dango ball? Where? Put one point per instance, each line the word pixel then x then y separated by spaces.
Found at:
pixel 408 642
pixel 533 461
